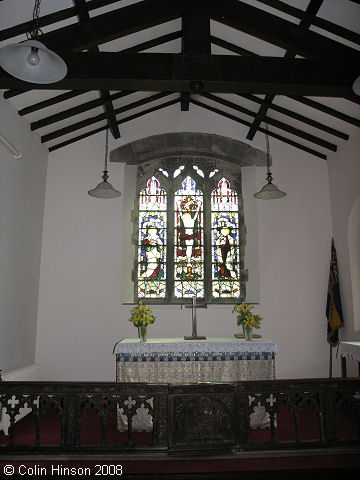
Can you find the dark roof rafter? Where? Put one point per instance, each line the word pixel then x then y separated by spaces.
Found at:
pixel 83 16
pixel 112 25
pixel 305 23
pixel 50 19
pixel 276 123
pixel 136 48
pixel 325 109
pixel 99 118
pixel 299 117
pixel 83 107
pixel 50 101
pixel 317 21
pixel 123 120
pixel 328 68
pixel 196 38
pixel 263 130
pixel 219 73
pixel 297 98
pixel 278 31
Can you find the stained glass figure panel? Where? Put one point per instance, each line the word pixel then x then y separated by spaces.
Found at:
pixel 225 241
pixel 188 240
pixel 152 241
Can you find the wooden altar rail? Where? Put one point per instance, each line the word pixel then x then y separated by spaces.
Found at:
pixel 196 418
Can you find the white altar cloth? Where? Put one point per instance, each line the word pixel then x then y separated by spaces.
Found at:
pixel 179 345
pixel 350 350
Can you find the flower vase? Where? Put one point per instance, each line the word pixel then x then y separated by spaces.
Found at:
pixel 142 330
pixel 248 333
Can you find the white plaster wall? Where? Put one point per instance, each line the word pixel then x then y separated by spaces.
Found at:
pixel 22 194
pixel 80 311
pixel 344 181
pixel 354 256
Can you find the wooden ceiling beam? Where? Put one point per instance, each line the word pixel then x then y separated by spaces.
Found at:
pixel 195 36
pixel 231 47
pixel 50 19
pixel 299 117
pixel 154 42
pixel 277 31
pixel 14 92
pixel 50 102
pixel 77 110
pixel 123 120
pixel 317 21
pixel 310 13
pixel 98 118
pixel 275 123
pixel 263 130
pixel 218 73
pixel 136 48
pixel 325 109
pixel 312 103
pixel 83 16
pixel 112 25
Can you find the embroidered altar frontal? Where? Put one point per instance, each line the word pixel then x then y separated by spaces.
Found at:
pixel 194 361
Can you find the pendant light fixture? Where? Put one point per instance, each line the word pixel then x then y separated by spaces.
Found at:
pixel 356 86
pixel 269 191
pixel 31 60
pixel 105 189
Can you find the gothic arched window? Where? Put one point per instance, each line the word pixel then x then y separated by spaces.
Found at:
pixel 190 234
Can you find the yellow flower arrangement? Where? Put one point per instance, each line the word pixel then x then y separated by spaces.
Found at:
pixel 142 315
pixel 245 318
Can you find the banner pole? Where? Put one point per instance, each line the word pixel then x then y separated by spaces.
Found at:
pixel 330 362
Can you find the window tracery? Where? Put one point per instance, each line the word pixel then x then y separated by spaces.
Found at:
pixel 190 234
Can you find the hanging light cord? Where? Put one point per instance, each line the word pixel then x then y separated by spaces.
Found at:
pixel 36 31
pixel 268 174
pixel 105 172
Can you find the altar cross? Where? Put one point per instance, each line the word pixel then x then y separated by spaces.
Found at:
pixel 194 306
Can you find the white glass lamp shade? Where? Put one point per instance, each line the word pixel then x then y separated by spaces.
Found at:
pixel 33 62
pixel 269 192
pixel 104 190
pixel 356 86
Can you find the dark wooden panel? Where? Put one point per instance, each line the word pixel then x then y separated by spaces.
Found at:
pixel 194 418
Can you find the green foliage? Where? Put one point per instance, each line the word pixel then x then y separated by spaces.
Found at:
pixel 142 315
pixel 245 317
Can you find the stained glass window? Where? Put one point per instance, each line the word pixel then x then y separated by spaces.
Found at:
pixel 189 241
pixel 152 241
pixel 225 241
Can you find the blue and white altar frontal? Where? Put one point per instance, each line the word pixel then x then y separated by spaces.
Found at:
pixel 183 361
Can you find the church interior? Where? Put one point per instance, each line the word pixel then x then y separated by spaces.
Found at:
pixel 244 88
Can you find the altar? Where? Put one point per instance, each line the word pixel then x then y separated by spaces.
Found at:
pixel 175 360
pixel 349 350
